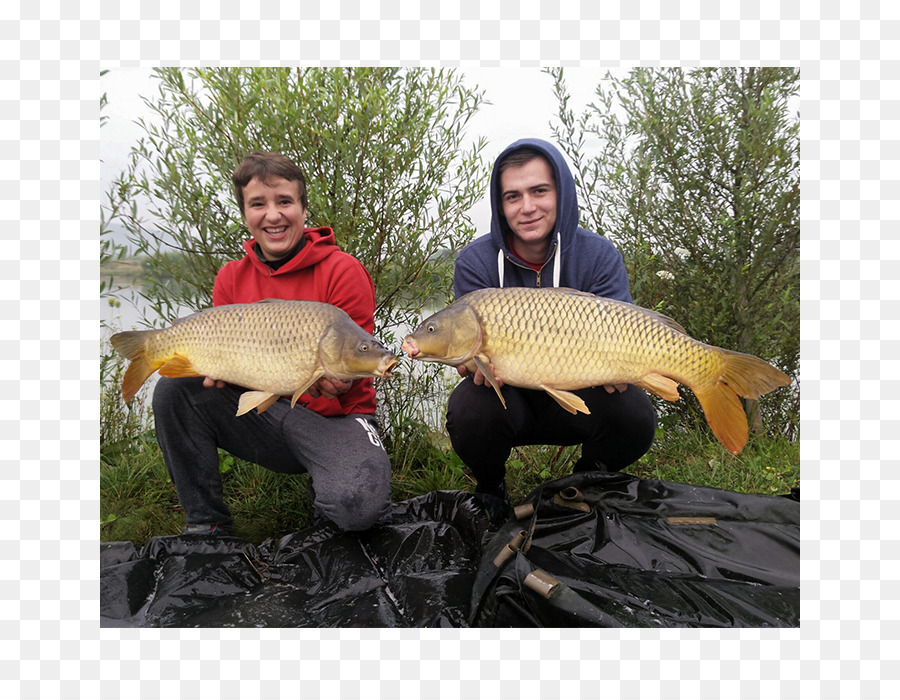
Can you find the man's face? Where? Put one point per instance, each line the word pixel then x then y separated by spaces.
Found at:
pixel 528 194
pixel 274 215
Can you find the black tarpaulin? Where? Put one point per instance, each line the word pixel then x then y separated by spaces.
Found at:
pixel 633 553
pixel 629 552
pixel 416 570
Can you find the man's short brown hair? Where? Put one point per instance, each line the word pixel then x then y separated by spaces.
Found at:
pixel 266 166
pixel 520 156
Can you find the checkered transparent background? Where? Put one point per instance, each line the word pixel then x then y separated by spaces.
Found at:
pixel 52 54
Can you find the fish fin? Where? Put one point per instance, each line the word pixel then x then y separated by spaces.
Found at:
pixel 187 318
pixel 260 400
pixel 663 387
pixel 569 401
pixel 178 366
pixel 133 346
pixel 725 415
pixel 743 375
pixel 305 387
pixel 575 292
pixel 662 318
pixel 485 367
pixel 665 320
pixel 750 376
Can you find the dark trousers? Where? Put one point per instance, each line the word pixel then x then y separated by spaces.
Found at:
pixel 619 429
pixel 343 455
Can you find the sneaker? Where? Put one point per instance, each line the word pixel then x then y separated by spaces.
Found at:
pixel 205 529
pixel 496 504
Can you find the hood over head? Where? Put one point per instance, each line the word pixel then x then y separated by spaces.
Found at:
pixel 566 199
pixel 577 258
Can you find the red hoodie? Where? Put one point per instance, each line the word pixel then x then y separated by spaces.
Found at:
pixel 320 271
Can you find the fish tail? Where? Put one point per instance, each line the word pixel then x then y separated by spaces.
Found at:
pixel 133 346
pixel 742 375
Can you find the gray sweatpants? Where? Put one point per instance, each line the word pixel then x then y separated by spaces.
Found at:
pixel 344 457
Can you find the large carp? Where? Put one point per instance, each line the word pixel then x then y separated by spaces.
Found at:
pixel 273 347
pixel 559 339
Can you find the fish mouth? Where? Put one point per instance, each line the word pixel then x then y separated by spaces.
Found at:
pixel 387 366
pixel 409 347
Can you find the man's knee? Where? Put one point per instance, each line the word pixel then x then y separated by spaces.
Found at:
pixel 357 504
pixel 356 511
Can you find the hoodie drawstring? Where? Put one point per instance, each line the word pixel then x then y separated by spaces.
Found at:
pixel 500 266
pixel 557 264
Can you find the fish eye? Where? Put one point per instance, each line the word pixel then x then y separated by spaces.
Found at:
pixel 431 328
pixel 364 347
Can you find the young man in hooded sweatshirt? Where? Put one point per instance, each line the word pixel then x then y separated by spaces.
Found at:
pixel 535 241
pixel 331 433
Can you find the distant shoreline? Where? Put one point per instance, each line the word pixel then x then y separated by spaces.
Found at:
pixel 130 268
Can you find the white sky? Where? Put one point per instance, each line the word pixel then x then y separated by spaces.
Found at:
pixel 522 105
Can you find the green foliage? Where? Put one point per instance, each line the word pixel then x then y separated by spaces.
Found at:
pixel 696 178
pixel 381 150
pixel 768 465
pixel 138 500
pixel 386 168
pixel 120 423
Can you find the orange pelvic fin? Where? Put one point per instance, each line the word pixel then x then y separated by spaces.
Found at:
pixel 743 375
pixel 569 401
pixel 133 346
pixel 663 387
pixel 178 366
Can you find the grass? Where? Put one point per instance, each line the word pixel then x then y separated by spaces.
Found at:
pixel 138 500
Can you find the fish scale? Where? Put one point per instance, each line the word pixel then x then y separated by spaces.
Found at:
pixel 276 346
pixel 596 341
pixel 560 340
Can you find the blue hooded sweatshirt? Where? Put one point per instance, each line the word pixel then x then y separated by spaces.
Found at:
pixel 577 258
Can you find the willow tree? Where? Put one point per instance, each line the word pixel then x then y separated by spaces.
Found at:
pixel 696 177
pixel 384 151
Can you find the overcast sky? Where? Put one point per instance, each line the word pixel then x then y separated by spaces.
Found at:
pixel 522 105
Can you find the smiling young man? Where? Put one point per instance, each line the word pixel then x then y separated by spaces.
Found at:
pixel 331 433
pixel 535 241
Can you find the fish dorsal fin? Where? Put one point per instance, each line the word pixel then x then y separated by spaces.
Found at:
pixel 569 401
pixel 663 387
pixel 178 366
pixel 260 400
pixel 182 319
pixel 484 365
pixel 576 292
pixel 662 318
pixel 666 321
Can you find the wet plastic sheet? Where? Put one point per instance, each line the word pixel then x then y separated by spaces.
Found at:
pixel 624 559
pixel 416 570
pixel 643 554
